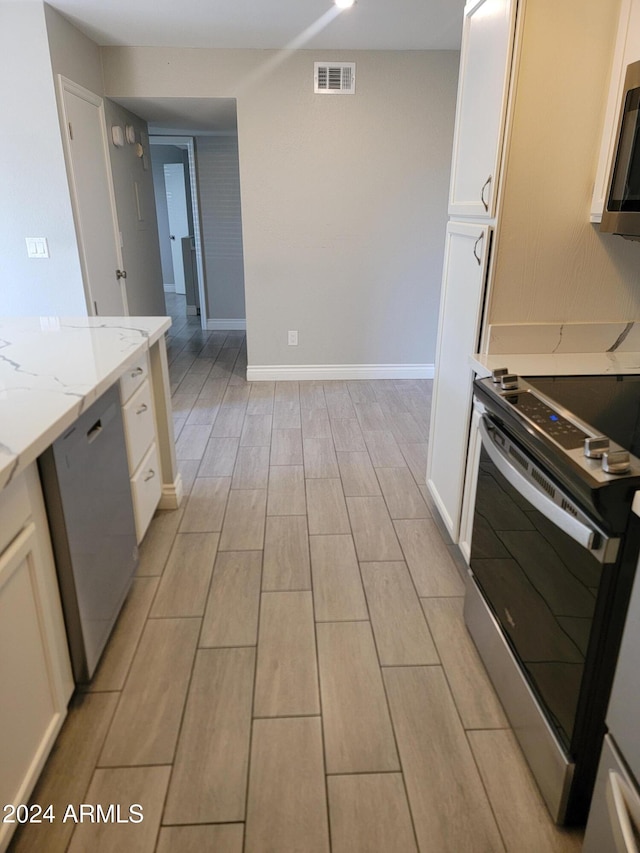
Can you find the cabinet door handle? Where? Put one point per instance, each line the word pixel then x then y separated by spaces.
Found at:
pixel 475 246
pixel 484 186
pixel 150 475
pixel 143 408
pixel 137 372
pixel 623 806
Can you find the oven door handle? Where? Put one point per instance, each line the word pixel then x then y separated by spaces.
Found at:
pixel 581 533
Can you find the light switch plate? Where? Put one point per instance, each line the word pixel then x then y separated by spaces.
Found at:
pixel 37 247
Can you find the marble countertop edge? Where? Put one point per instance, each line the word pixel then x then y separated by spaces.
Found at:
pixel 32 418
pixel 558 364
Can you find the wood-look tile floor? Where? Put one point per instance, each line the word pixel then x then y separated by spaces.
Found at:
pixel 291 671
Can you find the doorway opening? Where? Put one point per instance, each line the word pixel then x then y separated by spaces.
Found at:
pixel 181 254
pixel 203 133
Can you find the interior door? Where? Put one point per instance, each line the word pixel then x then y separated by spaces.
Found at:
pixel 93 201
pixel 178 220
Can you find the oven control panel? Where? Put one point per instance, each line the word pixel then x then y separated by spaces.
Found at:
pixel 593 452
pixel 557 427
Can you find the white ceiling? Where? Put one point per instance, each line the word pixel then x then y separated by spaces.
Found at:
pixel 369 25
pixel 185 115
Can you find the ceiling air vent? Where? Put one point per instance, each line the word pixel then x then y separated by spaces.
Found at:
pixel 334 78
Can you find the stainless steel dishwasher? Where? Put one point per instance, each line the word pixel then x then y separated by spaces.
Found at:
pixel 85 480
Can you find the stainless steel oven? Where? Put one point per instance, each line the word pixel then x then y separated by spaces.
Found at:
pixel 553 554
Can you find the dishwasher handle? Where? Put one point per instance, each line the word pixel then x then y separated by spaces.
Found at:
pixel 591 539
pixel 94 431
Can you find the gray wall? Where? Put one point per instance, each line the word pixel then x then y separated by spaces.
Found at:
pixel 37 44
pixel 73 54
pixel 344 199
pixel 77 57
pixel 35 200
pixel 136 216
pixel 221 217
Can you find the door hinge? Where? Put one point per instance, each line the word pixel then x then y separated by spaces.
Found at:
pixel 121 274
pixel 70 131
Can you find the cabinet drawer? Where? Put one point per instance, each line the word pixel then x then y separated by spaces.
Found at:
pixel 134 377
pixel 15 509
pixel 146 489
pixel 139 426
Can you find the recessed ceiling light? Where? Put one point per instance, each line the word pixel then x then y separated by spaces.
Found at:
pixel 344 4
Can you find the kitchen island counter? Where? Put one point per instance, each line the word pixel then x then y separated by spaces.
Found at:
pixel 51 372
pixel 52 369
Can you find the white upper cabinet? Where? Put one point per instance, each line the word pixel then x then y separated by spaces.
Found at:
pixel 627 50
pixel 483 88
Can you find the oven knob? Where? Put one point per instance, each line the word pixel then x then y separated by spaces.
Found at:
pixel 498 373
pixel 595 446
pixel 616 462
pixel 509 381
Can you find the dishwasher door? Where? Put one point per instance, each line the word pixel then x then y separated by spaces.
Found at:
pixel 88 496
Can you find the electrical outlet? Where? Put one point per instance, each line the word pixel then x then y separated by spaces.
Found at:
pixel 292 338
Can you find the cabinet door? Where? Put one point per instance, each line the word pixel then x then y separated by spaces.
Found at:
pixel 610 811
pixel 470 483
pixel 483 88
pixel 461 302
pixel 32 709
pixel 624 705
pixel 35 672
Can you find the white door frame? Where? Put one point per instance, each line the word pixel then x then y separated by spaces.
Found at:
pixel 187 142
pixel 66 85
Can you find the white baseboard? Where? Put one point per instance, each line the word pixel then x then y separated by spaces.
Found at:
pixel 284 372
pixel 172 494
pixel 226 325
pixel 169 288
pixel 192 311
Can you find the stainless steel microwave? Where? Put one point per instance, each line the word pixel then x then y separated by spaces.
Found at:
pixel 622 209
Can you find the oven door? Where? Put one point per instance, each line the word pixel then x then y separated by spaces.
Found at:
pixel 538 561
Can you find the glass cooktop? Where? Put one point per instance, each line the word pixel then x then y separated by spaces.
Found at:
pixel 610 404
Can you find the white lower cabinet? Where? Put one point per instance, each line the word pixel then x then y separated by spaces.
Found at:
pixel 142 452
pixel 139 429
pixel 461 303
pixel 146 490
pixel 35 672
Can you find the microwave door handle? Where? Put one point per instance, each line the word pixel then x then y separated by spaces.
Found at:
pixel 624 807
pixel 579 532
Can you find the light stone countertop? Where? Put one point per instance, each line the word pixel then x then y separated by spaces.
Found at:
pixel 53 368
pixel 558 364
